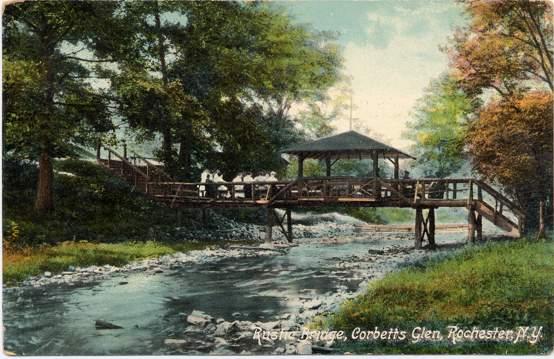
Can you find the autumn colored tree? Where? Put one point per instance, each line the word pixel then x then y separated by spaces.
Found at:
pixel 504 57
pixel 507 47
pixel 511 145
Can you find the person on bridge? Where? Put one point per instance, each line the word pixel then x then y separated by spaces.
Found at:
pixel 239 189
pixel 248 179
pixel 211 190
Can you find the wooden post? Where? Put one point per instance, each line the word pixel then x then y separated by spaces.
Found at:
pixel 289 224
pixel 124 149
pixel 300 166
pixel 454 191
pixel 470 225
pixel 269 225
pixel 418 229
pixel 431 227
pixel 328 166
pixel 376 186
pixel 396 167
pixel 98 148
pixel 479 227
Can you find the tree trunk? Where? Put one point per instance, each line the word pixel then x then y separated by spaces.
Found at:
pixel 45 191
pixel 541 233
pixel 167 149
pixel 185 149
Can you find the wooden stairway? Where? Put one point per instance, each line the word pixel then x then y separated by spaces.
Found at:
pixel 496 213
pixel 136 170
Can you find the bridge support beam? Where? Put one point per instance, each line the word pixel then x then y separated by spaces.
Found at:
pixel 474 225
pixel 286 228
pixel 289 224
pixel 269 225
pixel 424 228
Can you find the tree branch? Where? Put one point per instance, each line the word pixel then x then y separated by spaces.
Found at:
pixel 87 60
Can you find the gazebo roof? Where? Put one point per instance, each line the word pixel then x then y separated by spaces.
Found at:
pixel 349 144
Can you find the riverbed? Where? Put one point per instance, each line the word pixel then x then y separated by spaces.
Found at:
pixel 232 296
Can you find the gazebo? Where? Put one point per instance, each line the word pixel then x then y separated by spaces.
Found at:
pixel 346 145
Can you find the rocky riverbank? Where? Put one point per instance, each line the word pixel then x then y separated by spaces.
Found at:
pixel 349 268
pixel 205 334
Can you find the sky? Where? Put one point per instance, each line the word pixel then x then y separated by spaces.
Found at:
pixel 391 51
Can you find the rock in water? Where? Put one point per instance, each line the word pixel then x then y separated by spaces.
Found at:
pixel 199 318
pixel 101 324
pixel 312 304
pixel 375 251
pixel 175 342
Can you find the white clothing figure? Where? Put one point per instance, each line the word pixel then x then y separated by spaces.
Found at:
pixel 203 177
pixel 239 189
pixel 272 177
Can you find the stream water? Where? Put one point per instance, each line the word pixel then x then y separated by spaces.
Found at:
pixel 60 320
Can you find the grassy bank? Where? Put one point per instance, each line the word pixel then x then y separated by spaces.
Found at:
pixel 503 284
pixel 30 261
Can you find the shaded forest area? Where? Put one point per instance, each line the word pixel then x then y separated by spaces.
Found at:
pixel 214 84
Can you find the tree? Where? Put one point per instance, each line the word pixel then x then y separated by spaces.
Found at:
pixel 507 47
pixel 439 127
pixel 250 58
pixel 48 103
pixel 511 144
pixel 148 99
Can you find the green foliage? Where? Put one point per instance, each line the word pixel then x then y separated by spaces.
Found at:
pixel 48 105
pixel 506 285
pixel 92 205
pixel 439 128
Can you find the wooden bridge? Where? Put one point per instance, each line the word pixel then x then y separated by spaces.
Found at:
pixel 480 199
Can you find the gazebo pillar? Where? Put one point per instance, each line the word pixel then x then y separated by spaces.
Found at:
pixel 375 160
pixel 300 166
pixel 396 167
pixel 328 166
pixel 376 184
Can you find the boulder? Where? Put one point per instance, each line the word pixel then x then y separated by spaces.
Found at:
pixel 312 304
pixel 175 342
pixel 102 324
pixel 199 318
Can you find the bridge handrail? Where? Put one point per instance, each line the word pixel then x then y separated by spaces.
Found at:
pixel 151 165
pixel 500 197
pixel 124 161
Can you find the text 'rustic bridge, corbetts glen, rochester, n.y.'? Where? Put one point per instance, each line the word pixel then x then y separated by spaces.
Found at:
pixel 480 199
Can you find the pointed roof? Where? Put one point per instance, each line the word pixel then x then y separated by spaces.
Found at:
pixel 349 144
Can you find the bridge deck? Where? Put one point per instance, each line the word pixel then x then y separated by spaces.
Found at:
pixel 479 198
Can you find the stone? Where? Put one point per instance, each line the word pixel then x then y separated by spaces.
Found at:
pixel 312 304
pixel 101 324
pixel 48 274
pixel 175 342
pixel 199 318
pixel 279 350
